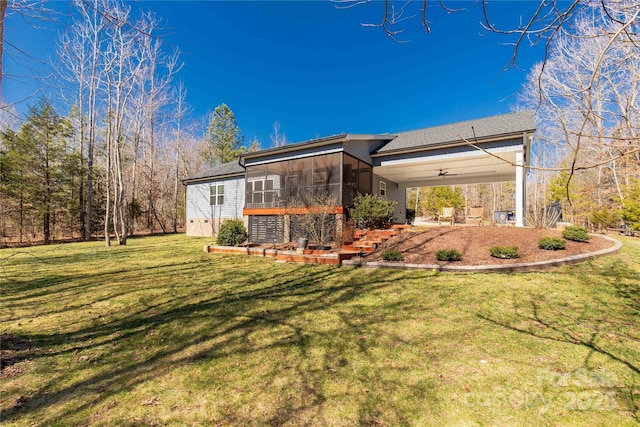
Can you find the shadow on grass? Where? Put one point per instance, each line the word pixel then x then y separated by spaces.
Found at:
pixel 606 326
pixel 229 309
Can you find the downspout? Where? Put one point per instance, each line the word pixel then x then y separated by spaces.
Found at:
pixel 245 218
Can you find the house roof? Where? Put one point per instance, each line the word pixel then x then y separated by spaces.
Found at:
pixel 479 130
pixel 318 142
pixel 223 170
pixel 491 128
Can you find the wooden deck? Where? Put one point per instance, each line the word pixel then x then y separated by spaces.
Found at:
pixel 365 241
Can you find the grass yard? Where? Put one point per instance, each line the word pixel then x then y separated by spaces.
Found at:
pixel 160 333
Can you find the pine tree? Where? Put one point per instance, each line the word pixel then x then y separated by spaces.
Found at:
pixel 40 170
pixel 224 142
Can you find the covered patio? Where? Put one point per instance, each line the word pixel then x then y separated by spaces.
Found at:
pixel 494 149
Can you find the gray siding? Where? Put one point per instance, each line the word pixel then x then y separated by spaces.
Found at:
pixel 199 208
pixel 448 153
pixel 394 192
pixel 362 149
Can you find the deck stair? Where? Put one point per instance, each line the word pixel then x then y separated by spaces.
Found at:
pixel 367 241
pixel 370 240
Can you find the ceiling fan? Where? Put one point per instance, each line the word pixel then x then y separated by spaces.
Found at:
pixel 446 173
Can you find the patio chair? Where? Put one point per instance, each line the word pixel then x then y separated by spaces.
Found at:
pixel 475 216
pixel 448 215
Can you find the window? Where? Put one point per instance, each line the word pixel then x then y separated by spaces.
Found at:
pixel 383 188
pixel 216 195
pixel 319 178
pixel 261 191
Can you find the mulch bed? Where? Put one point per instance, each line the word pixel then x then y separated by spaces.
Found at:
pixel 419 245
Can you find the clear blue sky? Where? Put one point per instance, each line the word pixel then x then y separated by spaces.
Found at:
pixel 318 71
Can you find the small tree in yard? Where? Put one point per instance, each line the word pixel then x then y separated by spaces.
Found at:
pixel 371 211
pixel 318 220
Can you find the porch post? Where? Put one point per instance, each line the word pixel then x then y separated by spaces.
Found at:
pixel 519 189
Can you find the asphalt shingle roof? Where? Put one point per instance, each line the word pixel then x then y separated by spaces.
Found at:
pixel 495 126
pixel 231 168
pixel 490 126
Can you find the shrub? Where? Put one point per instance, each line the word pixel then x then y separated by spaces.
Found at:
pixel 232 233
pixel 576 233
pixel 448 255
pixel 392 255
pixel 372 211
pixel 551 243
pixel 504 252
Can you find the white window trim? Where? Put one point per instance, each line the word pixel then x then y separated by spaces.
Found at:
pixel 383 189
pixel 216 198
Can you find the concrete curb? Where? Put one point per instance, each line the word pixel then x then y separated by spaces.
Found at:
pixel 531 266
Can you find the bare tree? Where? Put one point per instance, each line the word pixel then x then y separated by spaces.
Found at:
pixel 181 111
pixel 278 139
pixel 31 11
pixel 80 53
pixel 3 12
pixel 587 98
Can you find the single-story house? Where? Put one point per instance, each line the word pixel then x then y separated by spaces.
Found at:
pixel 265 187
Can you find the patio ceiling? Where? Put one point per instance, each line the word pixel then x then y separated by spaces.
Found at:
pixel 430 170
pixel 443 155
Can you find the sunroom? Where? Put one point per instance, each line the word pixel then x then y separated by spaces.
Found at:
pixel 289 180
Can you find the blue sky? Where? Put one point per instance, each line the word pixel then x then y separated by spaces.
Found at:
pixel 315 69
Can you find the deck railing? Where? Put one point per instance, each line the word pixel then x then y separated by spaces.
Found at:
pixel 290 197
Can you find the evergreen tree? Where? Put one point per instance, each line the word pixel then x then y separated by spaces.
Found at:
pixel 40 174
pixel 631 204
pixel 224 142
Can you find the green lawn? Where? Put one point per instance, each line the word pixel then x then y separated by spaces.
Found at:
pixel 160 333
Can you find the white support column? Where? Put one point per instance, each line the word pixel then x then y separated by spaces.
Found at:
pixel 519 189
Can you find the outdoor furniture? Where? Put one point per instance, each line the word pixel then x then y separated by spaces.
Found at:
pixel 448 215
pixel 475 216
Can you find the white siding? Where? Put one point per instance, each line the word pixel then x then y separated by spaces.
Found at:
pixel 394 192
pixel 200 211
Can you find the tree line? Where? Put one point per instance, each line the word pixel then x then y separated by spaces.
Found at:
pixel 112 165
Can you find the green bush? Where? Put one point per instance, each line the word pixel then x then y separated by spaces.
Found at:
pixel 551 243
pixel 232 233
pixel 504 252
pixel 372 211
pixel 448 255
pixel 576 233
pixel 392 255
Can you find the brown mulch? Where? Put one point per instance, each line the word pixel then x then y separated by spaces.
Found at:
pixel 419 245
